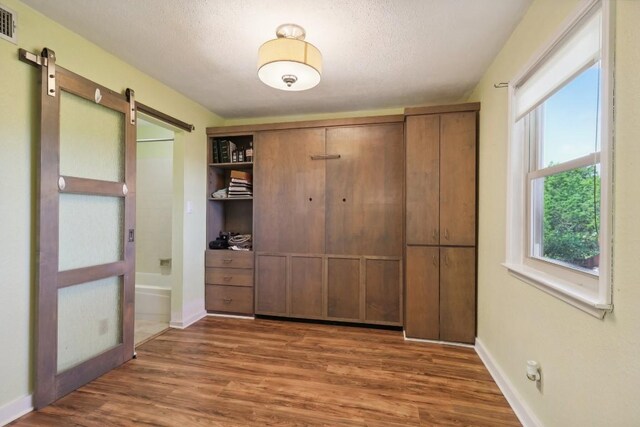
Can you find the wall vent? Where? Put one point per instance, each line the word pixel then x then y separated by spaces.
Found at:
pixel 8 25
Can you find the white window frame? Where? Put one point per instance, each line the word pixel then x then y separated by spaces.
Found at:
pixel 592 294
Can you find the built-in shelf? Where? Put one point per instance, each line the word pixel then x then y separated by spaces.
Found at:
pixel 229 199
pixel 236 165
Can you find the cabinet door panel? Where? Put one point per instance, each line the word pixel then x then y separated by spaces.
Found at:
pixel 364 190
pixel 423 292
pixel 382 290
pixel 458 294
pixel 271 284
pixel 289 191
pixel 306 286
pixel 458 179
pixel 343 287
pixel 423 180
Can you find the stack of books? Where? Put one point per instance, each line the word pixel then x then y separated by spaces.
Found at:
pixel 240 184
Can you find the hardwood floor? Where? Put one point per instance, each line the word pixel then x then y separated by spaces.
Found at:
pixel 236 372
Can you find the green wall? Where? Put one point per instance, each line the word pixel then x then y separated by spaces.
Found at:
pixel 590 366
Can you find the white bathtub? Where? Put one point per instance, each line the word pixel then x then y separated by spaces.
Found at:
pixel 153 297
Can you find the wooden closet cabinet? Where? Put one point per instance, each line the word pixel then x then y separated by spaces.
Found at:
pixel 441 295
pixel 328 227
pixel 441 188
pixel 441 179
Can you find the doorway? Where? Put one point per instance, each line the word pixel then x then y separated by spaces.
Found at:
pixel 154 257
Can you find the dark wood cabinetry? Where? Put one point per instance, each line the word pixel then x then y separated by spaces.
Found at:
pixel 458 179
pixel 228 274
pixel 328 229
pixel 328 225
pixel 441 224
pixel 441 179
pixel 423 292
pixel 364 190
pixel 229 281
pixel 289 191
pixel 457 294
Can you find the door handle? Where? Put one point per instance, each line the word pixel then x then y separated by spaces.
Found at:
pixel 325 156
pixel 446 234
pixel 435 234
pixel 435 260
pixel 446 260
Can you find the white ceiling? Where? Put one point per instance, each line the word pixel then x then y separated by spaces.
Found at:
pixel 377 53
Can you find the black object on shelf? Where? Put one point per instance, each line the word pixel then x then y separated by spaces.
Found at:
pixel 221 242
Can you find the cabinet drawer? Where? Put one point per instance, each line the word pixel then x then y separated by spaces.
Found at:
pixel 229 276
pixel 232 299
pixel 227 258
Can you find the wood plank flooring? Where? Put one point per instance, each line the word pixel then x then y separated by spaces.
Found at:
pixel 237 372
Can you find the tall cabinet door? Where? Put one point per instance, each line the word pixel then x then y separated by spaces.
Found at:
pixel 289 205
pixel 423 292
pixel 364 190
pixel 364 218
pixel 458 179
pixel 423 180
pixel 289 191
pixel 458 294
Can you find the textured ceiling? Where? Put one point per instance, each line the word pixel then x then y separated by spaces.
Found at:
pixel 377 53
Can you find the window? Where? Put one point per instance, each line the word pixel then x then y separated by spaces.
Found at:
pixel 559 230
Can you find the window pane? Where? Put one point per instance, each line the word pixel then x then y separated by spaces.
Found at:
pixel 566 217
pixel 570 120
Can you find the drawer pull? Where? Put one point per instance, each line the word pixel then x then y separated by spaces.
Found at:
pixel 227 300
pixel 227 278
pixel 227 260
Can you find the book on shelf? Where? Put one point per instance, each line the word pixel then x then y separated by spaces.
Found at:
pixel 240 175
pixel 216 151
pixel 240 182
pixel 225 148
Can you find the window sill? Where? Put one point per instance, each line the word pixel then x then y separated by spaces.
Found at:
pixel 559 289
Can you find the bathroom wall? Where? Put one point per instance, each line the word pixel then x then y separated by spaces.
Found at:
pixel 154 200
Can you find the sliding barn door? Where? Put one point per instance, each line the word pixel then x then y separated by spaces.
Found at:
pixel 86 217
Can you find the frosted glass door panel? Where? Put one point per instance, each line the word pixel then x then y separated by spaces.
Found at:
pixel 91 230
pixel 91 139
pixel 89 320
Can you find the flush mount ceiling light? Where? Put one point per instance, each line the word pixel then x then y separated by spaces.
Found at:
pixel 289 62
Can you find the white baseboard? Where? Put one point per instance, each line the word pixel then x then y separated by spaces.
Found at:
pixel 519 406
pixel 15 409
pixel 190 320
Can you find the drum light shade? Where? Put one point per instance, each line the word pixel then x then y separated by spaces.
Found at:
pixel 288 62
